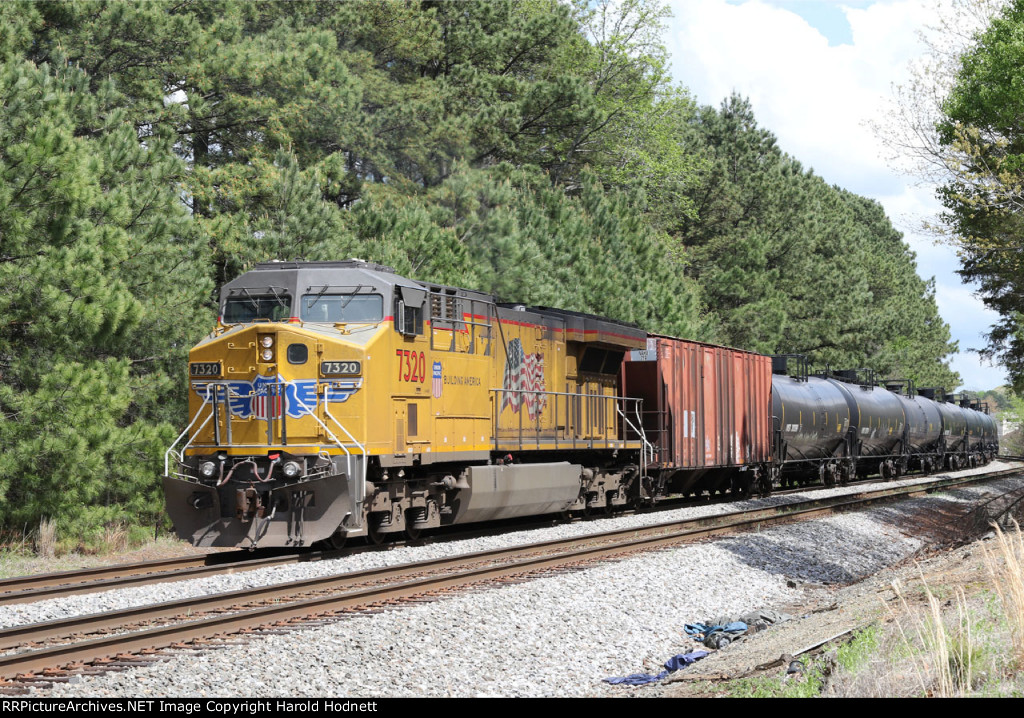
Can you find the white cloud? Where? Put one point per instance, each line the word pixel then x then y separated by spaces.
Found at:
pixel 819 100
pixel 815 98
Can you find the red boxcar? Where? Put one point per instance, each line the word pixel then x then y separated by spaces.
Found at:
pixel 707 413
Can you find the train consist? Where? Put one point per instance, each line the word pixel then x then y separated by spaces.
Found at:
pixel 338 399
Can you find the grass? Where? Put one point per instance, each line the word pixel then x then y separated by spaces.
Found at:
pixel 817 672
pixel 955 638
pixel 46 538
pixel 949 641
pixel 20 557
pixel 857 652
pixel 806 684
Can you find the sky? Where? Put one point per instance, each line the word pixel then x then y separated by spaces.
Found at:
pixel 817 72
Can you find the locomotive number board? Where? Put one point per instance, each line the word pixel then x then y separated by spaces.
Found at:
pixel 204 368
pixel 341 368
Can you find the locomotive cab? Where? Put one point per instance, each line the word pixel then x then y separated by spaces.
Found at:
pixel 276 450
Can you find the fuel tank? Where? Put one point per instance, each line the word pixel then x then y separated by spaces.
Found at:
pixel 813 416
pixel 954 426
pixel 924 424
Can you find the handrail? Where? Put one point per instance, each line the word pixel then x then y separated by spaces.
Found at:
pixel 648 448
pixel 206 400
pixel 573 436
pixel 210 398
pixel 360 493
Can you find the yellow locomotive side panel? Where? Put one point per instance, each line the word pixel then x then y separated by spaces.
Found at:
pixel 460 388
pixel 284 386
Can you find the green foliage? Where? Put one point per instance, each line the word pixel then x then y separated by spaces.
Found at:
pixel 983 151
pixel 515 233
pixel 792 265
pixel 531 148
pixel 95 265
pixel 807 684
pixel 859 650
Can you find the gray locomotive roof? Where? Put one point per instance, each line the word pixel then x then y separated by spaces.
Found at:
pixel 297 278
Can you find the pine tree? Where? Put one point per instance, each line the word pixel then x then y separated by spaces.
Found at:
pixel 97 291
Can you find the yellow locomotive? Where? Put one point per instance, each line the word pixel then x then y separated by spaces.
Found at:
pixel 338 399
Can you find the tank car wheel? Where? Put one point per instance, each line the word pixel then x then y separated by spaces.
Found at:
pixel 825 475
pixel 846 474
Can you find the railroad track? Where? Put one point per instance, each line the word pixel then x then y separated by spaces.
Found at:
pixel 47 651
pixel 38 587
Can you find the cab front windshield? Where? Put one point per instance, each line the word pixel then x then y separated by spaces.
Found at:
pixel 256 307
pixel 341 308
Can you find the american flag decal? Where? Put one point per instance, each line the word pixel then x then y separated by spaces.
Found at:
pixel 437 382
pixel 266 401
pixel 524 378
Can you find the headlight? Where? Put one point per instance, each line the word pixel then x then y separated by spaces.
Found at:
pixel 268 354
pixel 267 341
pixel 291 469
pixel 207 468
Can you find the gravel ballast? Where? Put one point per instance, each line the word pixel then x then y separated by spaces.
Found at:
pixel 558 635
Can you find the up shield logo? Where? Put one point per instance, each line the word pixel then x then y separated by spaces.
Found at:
pixel 265 397
pixel 437 384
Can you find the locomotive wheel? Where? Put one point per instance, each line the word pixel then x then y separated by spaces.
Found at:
pixel 336 541
pixel 374 535
pixel 412 532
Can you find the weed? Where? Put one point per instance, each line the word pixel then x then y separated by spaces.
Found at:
pixel 807 684
pixel 1007 577
pixel 46 538
pixel 858 651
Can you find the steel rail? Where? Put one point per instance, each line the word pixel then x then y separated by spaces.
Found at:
pixel 29 588
pixel 464 570
pixel 26 589
pixel 110 620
